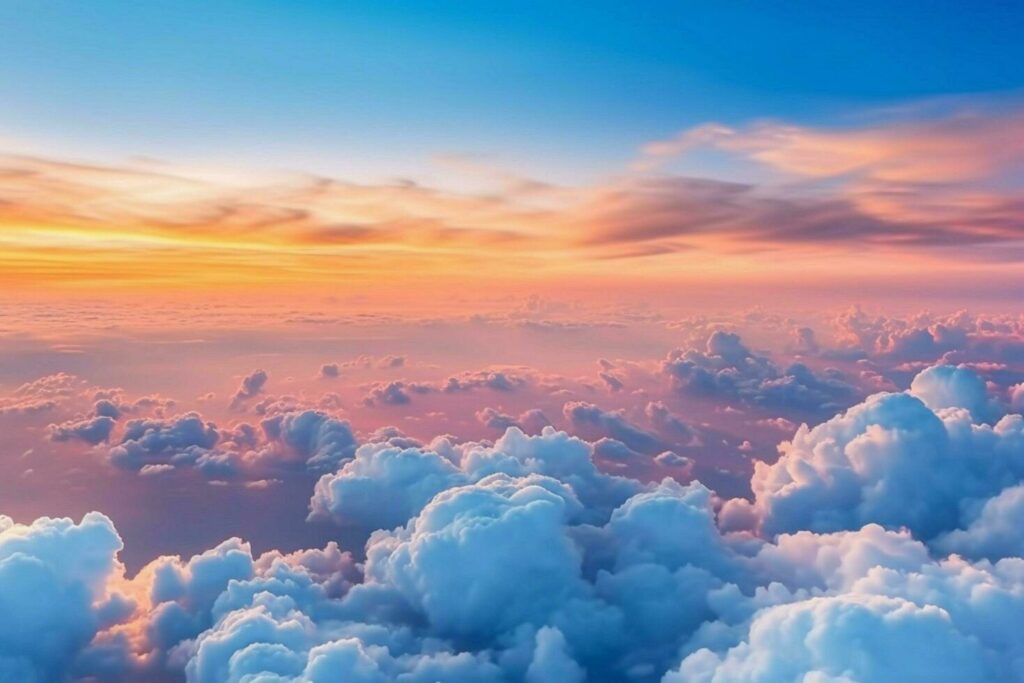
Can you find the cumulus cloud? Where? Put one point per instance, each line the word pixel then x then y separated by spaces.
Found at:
pixel 671 424
pixel 251 386
pixel 530 421
pixel 844 638
pixel 293 440
pixel 996 530
pixel 944 386
pixel 395 393
pixel 182 440
pixel 55 597
pixel 91 430
pixel 727 368
pixel 386 484
pixel 309 438
pixel 483 379
pixel 592 422
pixel 893 460
pixel 40 396
pixel 957 337
pixel 383 486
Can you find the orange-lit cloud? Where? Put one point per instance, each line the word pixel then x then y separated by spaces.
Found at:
pixel 857 198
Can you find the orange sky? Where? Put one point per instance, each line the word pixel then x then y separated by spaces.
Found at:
pixel 927 201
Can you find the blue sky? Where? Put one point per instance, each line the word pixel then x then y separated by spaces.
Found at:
pixel 375 89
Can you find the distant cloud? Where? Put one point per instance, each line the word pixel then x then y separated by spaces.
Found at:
pixel 889 187
pixel 727 368
pixel 252 385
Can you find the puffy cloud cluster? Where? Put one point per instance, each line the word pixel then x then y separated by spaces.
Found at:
pixel 400 392
pixel 530 421
pixel 91 430
pixel 520 562
pixel 728 369
pixel 591 421
pixel 251 386
pixel 395 393
pixel 385 484
pixel 108 407
pixel 921 461
pixel 293 440
pixel 929 338
pixel 55 597
pixel 40 396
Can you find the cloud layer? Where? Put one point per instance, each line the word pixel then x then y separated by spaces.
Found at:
pixel 521 561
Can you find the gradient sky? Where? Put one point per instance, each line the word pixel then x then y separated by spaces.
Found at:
pixel 368 87
pixel 315 146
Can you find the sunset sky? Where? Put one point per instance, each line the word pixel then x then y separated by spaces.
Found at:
pixel 526 342
pixel 366 149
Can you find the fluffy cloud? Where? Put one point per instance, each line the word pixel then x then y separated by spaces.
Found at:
pixel 395 393
pixel 294 440
pixel 890 460
pixel 592 422
pixel 530 421
pixel 185 440
pixel 383 486
pixel 308 438
pixel 251 386
pixel 727 368
pixel 92 430
pixel 995 532
pixel 845 639
pixel 54 596
pixel 945 386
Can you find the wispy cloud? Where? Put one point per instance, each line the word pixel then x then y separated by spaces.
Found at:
pixel 903 186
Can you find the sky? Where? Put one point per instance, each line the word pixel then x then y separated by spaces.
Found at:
pixel 307 147
pixel 477 342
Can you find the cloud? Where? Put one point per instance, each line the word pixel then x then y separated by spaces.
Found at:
pixel 92 431
pixel 40 396
pixel 531 421
pixel 252 385
pixel 309 439
pixel 383 486
pixel 995 532
pixel 896 176
pixel 611 381
pixel 289 441
pixel 395 393
pixel 726 368
pixel 182 440
pixel 55 596
pixel 836 570
pixel 668 423
pixel 551 661
pixel 387 484
pixel 483 379
pixel 945 386
pixel 869 193
pixel 593 422
pixel 891 460
pixel 847 638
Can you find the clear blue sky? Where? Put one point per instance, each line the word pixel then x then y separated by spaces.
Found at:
pixel 377 87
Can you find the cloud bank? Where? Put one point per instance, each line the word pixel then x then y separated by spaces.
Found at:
pixel 884 542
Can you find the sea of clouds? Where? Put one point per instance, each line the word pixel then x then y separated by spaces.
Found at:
pixel 885 544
